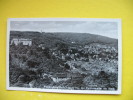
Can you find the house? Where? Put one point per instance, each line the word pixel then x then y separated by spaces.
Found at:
pixel 22 41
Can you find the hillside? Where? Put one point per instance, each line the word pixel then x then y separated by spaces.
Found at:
pixel 67 38
pixel 64 60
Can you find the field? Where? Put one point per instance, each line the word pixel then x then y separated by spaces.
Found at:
pixel 77 61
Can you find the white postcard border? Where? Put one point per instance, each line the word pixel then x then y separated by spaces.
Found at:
pixel 60 90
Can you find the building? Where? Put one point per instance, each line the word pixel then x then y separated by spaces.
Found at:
pixel 22 41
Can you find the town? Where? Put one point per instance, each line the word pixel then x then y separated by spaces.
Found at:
pixel 63 66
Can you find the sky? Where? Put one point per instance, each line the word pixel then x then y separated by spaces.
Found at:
pixel 108 29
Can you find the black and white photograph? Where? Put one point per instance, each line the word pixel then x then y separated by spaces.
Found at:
pixel 64 55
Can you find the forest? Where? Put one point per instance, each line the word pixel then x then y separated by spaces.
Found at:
pixel 77 61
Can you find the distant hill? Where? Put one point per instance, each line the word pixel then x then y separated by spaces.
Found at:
pixel 83 38
pixel 64 37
